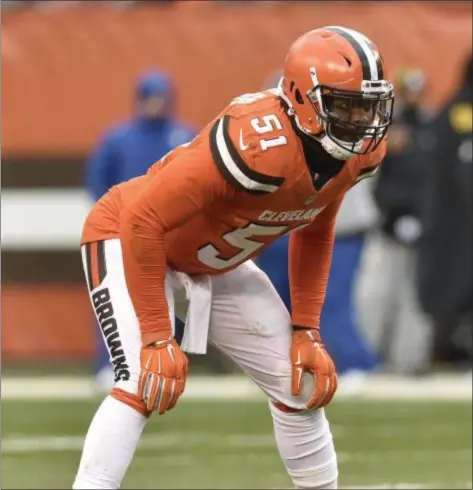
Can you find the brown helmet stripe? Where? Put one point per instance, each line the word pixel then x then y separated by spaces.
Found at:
pixel 371 71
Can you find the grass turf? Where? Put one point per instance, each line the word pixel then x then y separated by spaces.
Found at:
pixel 230 445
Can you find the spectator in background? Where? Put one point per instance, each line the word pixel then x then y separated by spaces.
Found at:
pixel 128 150
pixel 392 315
pixel 339 325
pixel 446 247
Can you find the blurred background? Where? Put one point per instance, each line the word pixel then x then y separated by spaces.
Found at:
pixel 94 92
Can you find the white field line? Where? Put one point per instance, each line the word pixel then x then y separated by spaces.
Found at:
pixel 244 440
pixel 174 443
pixel 181 440
pixel 449 387
pixel 76 388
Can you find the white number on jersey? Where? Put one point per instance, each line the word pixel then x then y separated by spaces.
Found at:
pixel 271 123
pixel 239 238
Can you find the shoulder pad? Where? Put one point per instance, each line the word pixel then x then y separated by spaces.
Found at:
pixel 253 144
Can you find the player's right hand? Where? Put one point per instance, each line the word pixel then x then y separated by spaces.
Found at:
pixel 163 375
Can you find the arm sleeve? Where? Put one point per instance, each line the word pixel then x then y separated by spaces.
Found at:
pixel 310 256
pixel 177 192
pixel 101 168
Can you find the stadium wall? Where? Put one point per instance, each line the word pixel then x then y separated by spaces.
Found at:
pixel 68 73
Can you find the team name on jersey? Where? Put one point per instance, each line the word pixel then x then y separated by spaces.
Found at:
pixel 292 215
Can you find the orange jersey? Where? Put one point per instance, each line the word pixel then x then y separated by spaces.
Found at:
pixel 208 206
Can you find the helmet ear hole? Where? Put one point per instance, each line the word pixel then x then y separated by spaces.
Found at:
pixel 298 96
pixel 291 87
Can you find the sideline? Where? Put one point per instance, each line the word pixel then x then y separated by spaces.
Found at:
pixel 380 387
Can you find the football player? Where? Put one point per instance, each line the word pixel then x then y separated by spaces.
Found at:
pixel 269 164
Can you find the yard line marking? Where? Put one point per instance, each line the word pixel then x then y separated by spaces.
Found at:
pixel 23 444
pixel 180 440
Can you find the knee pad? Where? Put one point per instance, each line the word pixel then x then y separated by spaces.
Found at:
pixel 315 479
pixel 306 447
pixel 131 400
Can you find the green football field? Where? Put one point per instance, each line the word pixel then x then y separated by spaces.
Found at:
pixel 230 445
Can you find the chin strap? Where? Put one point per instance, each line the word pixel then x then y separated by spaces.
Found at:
pixel 334 149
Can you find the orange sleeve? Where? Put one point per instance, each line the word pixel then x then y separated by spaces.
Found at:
pixel 177 191
pixel 310 256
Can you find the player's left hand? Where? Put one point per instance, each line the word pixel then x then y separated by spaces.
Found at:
pixel 308 354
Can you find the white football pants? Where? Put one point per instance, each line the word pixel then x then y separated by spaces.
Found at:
pixel 251 325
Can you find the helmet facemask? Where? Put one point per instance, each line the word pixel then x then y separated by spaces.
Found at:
pixel 354 122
